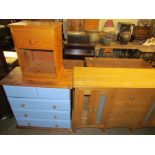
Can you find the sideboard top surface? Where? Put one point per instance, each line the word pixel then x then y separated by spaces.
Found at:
pixel 15 78
pixel 97 77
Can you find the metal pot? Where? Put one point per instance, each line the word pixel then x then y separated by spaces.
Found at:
pixel 94 36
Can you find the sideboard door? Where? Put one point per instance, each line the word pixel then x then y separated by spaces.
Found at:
pixel 89 108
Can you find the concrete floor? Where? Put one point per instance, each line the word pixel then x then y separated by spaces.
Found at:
pixel 8 127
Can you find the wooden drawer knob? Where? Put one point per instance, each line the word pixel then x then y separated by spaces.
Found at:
pixel 54 106
pixel 29 124
pixel 23 105
pixel 55 117
pixel 127 111
pixel 122 123
pixel 131 97
pixel 31 42
pixel 25 115
pixel 56 126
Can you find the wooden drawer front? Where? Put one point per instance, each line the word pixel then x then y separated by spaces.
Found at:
pixel 121 122
pixel 130 104
pixel 42 114
pixel 33 38
pixel 133 95
pixel 42 104
pixel 44 123
pixel 16 91
pixel 53 93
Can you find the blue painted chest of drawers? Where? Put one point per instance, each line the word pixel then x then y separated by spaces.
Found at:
pixel 40 107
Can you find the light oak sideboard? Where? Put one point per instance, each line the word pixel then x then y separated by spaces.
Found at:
pixel 113 97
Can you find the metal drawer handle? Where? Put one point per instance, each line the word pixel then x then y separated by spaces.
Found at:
pixel 56 126
pixel 25 115
pixel 131 97
pixel 94 110
pixel 23 105
pixel 31 42
pixel 55 117
pixel 54 106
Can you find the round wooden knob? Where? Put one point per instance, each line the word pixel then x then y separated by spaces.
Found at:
pixel 25 115
pixel 29 124
pixel 131 97
pixel 31 42
pixel 122 122
pixel 127 111
pixel 54 107
pixel 22 105
pixel 55 117
pixel 56 126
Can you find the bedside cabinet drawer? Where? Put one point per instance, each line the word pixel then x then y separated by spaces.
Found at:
pixel 30 38
pixel 42 114
pixel 43 123
pixel 53 93
pixel 19 91
pixel 42 104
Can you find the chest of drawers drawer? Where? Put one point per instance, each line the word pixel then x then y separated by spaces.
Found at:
pixel 16 91
pixel 44 123
pixel 42 114
pixel 53 93
pixel 42 104
pixel 36 92
pixel 30 38
pixel 122 122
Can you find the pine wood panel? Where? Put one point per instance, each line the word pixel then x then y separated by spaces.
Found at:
pixel 91 77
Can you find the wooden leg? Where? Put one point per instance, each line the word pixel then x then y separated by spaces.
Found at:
pixel 103 129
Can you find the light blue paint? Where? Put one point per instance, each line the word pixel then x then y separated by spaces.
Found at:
pixel 53 93
pixel 44 123
pixel 18 91
pixel 42 114
pixel 42 104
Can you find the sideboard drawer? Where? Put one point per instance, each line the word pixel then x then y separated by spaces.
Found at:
pixel 44 123
pixel 133 95
pixel 20 91
pixel 42 114
pixel 30 38
pixel 53 93
pixel 42 104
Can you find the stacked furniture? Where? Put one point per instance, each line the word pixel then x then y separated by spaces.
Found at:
pixel 39 93
pixel 107 93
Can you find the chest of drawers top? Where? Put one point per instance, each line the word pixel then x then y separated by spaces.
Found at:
pixel 14 78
